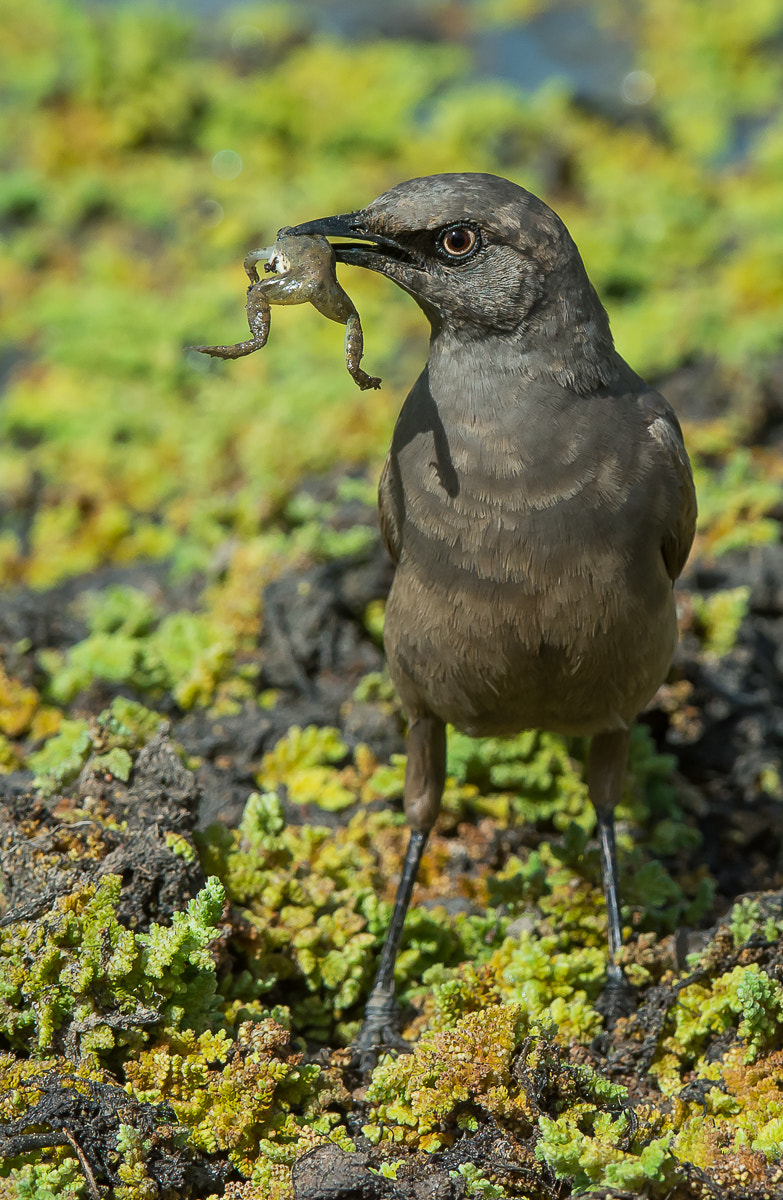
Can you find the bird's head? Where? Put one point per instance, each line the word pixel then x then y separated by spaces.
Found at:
pixel 483 258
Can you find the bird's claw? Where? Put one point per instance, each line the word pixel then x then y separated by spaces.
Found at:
pixel 617 998
pixel 379 1033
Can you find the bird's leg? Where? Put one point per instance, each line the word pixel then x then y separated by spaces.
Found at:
pixel 605 775
pixel 425 775
pixel 354 350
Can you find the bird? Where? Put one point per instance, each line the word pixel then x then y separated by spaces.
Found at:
pixel 537 502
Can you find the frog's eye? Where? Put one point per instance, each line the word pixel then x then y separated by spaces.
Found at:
pixel 459 241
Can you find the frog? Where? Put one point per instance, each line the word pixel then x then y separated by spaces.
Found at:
pixel 302 270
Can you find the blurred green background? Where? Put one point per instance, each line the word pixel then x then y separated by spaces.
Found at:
pixel 144 150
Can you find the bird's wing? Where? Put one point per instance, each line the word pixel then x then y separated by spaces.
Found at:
pixel 388 508
pixel 664 428
pixel 418 416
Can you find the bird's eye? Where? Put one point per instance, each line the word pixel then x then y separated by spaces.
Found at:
pixel 459 241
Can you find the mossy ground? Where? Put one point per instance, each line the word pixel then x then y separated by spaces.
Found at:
pixel 200 754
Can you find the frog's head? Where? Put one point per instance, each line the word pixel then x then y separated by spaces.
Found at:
pixel 476 252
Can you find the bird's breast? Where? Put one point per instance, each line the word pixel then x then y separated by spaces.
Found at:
pixel 495 506
pixel 529 569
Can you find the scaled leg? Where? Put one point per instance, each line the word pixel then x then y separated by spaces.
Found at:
pixel 425 775
pixel 605 775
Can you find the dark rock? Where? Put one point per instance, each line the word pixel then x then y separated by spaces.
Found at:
pixel 44 856
pixel 311 627
pixel 329 1173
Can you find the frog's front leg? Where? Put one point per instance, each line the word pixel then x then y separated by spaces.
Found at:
pixel 255 256
pixel 354 350
pixel 259 320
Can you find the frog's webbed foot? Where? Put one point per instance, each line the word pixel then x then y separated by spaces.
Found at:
pixel 239 350
pixel 354 350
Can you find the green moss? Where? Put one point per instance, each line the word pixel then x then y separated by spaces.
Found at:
pixel 458 1077
pixel 249 1095
pixel 748 920
pixel 9 760
pixel 120 609
pixel 49 1181
pixel 719 617
pixel 374 619
pixel 314 533
pixel 744 999
pixel 116 762
pixel 18 705
pixel 477 1184
pixel 531 777
pixel 311 897
pixel 428 1097
pixel 299 762
pixel 585 1147
pixel 81 972
pixel 739 1119
pixel 375 685
pixel 180 846
pixel 760 999
pixel 63 756
pixel 126 724
pixel 187 654
pixel 734 499
pixel 538 779
pixel 106 744
pixel 135 1181
pixel 555 982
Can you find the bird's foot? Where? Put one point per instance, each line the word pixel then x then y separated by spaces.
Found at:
pixel 617 999
pixel 380 1032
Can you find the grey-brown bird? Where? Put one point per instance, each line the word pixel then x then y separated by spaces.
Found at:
pixel 537 501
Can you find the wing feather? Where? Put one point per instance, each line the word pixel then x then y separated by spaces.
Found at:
pixel 665 429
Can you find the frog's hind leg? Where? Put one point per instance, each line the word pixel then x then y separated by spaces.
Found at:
pixel 354 350
pixel 258 319
pixel 259 314
pixel 238 350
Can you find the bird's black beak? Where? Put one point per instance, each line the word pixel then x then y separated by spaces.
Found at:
pixel 358 253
